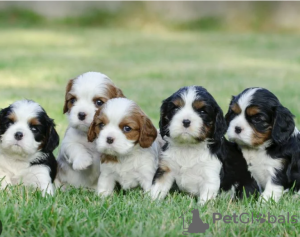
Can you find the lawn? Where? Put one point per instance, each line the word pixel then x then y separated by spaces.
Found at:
pixel 36 63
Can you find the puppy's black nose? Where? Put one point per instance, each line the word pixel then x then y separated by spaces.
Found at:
pixel 238 130
pixel 186 123
pixel 109 140
pixel 81 116
pixel 18 136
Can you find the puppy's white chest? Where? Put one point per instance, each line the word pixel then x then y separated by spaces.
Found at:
pixel 192 167
pixel 261 165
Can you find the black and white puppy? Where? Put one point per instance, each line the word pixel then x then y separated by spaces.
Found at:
pixel 78 159
pixel 28 138
pixel 193 126
pixel 266 134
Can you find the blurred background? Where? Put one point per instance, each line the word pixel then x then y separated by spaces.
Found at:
pixel 149 49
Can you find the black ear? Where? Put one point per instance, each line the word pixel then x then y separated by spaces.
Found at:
pixel 3 114
pixel 283 126
pixel 220 125
pixel 164 120
pixel 229 112
pixel 52 139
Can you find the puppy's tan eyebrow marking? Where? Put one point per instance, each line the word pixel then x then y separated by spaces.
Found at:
pixel 12 116
pixel 236 108
pixel 103 99
pixel 198 104
pixel 179 102
pixel 34 121
pixel 253 110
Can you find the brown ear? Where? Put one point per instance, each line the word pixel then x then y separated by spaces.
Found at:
pixel 115 92
pixel 92 133
pixel 68 88
pixel 148 133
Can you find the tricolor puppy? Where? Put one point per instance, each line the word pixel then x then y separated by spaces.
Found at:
pixel 196 155
pixel 126 138
pixel 27 140
pixel 266 134
pixel 78 159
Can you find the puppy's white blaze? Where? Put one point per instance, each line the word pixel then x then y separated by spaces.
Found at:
pixel 25 110
pixel 245 98
pixel 187 112
pixel 116 109
pixel 189 96
pixel 240 121
pixel 90 84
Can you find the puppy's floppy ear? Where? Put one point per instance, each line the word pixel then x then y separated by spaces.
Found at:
pixel 229 112
pixel 148 133
pixel 3 114
pixel 283 126
pixel 68 88
pixel 164 121
pixel 114 92
pixel 220 125
pixel 52 138
pixel 92 134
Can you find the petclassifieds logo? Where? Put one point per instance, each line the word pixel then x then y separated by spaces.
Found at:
pixel 251 218
pixel 192 223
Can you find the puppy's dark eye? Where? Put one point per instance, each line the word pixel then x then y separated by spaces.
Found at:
pixel 34 129
pixel 73 100
pixel 99 103
pixel 257 119
pixel 202 111
pixel 127 129
pixel 101 125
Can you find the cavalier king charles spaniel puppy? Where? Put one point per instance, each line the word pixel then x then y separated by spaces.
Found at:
pixel 27 140
pixel 126 139
pixel 78 159
pixel 266 133
pixel 196 155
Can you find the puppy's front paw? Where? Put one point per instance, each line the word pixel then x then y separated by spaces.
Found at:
pixel 104 193
pixel 82 164
pixel 157 193
pixel 202 202
pixel 265 197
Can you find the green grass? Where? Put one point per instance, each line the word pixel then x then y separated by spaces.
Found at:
pixel 149 65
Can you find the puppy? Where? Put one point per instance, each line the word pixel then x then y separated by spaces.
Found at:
pixel 196 154
pixel 125 137
pixel 79 163
pixel 265 131
pixel 27 140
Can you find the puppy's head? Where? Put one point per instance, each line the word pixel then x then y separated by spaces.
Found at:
pixel 256 116
pixel 85 95
pixel 192 115
pixel 119 125
pixel 25 128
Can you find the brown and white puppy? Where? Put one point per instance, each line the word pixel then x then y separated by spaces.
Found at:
pixel 126 139
pixel 78 159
